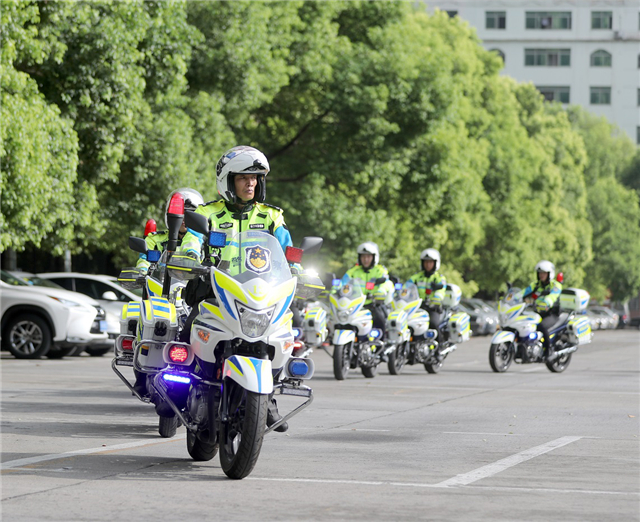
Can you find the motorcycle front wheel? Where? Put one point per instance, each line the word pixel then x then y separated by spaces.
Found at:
pixel 500 357
pixel 398 358
pixel 200 451
pixel 241 436
pixel 341 361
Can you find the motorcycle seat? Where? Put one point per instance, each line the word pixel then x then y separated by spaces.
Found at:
pixel 562 320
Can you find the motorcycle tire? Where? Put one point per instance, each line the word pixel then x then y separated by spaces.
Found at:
pixel 200 451
pixel 397 359
pixel 241 436
pixel 433 367
pixel 500 357
pixel 369 371
pixel 167 426
pixel 560 364
pixel 341 361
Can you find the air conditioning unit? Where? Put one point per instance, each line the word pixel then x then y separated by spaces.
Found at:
pixel 617 35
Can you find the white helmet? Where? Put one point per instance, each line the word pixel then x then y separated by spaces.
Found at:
pixel 192 199
pixel 369 248
pixel 433 255
pixel 546 266
pixel 241 160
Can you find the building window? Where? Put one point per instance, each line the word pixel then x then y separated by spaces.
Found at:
pixel 498 52
pixel 496 20
pixel 638 97
pixel 558 94
pixel 600 59
pixel 548 20
pixel 600 95
pixel 547 57
pixel 601 19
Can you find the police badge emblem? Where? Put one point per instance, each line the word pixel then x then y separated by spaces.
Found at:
pixel 257 259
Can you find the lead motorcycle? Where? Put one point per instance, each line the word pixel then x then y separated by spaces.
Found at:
pixel 240 351
pixel 519 341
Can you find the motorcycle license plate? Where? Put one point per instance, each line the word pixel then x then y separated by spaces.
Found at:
pixel 103 326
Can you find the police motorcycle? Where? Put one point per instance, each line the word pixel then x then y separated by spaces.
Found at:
pixel 313 332
pixel 239 354
pixel 409 330
pixel 518 340
pixel 146 326
pixel 355 342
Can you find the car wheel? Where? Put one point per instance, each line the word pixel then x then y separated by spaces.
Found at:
pixel 27 336
pixel 98 352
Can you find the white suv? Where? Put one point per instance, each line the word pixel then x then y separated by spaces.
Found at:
pixel 37 319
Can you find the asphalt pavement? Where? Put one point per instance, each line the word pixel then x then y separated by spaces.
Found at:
pixel 465 444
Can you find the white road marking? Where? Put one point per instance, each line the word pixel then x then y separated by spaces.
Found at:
pixel 12 464
pixel 427 486
pixel 537 368
pixel 481 433
pixel 496 467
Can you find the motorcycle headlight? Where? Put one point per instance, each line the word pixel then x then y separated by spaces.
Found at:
pixel 343 316
pixel 254 322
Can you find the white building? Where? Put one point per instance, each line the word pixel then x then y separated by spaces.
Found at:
pixel 583 52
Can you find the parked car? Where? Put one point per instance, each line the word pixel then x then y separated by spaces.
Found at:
pixel 484 321
pixel 37 321
pixel 622 309
pixel 112 320
pixel 613 317
pixel 606 321
pixel 595 319
pixel 103 288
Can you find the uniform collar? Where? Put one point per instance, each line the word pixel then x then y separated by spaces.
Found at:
pixel 236 212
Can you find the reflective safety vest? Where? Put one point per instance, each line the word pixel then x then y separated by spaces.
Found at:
pixel 369 276
pixel 227 218
pixel 545 296
pixel 154 241
pixel 430 288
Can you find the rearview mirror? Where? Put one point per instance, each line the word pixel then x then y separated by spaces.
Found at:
pixel 137 244
pixel 311 244
pixel 109 296
pixel 196 222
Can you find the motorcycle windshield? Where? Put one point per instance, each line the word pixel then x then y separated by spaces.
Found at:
pixel 255 254
pixel 405 295
pixel 158 272
pixel 351 289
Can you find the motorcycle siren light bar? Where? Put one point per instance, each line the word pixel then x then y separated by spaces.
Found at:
pixel 298 368
pixel 153 256
pixel 150 227
pixel 293 254
pixel 560 277
pixel 176 378
pixel 370 285
pixel 176 205
pixel 217 239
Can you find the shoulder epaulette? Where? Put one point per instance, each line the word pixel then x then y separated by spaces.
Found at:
pixel 271 206
pixel 212 201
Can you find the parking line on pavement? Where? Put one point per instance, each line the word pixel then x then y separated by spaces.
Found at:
pixel 19 463
pixel 506 463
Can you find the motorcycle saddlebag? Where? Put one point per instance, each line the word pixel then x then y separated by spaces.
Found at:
pixel 315 326
pixel 459 327
pixel 452 296
pixel 159 320
pixel 579 330
pixel 129 318
pixel 574 300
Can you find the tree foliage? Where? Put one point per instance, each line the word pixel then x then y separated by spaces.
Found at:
pixel 380 123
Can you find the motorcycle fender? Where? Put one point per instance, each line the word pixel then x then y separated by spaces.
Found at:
pixel 252 374
pixel 342 337
pixel 503 336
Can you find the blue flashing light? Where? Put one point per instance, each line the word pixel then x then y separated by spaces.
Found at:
pixel 153 256
pixel 217 239
pixel 375 333
pixel 298 368
pixel 297 333
pixel 533 336
pixel 398 286
pixel 430 334
pixel 336 282
pixel 176 378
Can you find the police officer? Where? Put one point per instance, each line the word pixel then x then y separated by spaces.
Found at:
pixel 158 240
pixel 431 286
pixel 240 179
pixel 545 292
pixel 370 271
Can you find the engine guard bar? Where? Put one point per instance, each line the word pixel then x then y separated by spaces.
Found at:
pixel 114 362
pixel 285 388
pixel 136 352
pixel 560 353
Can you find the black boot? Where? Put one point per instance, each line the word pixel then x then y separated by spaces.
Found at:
pixel 140 385
pixel 273 416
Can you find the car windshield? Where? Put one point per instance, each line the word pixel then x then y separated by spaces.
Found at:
pixel 255 254
pixel 38 281
pixel 12 280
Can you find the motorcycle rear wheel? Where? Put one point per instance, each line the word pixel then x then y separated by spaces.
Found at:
pixel 369 371
pixel 200 451
pixel 398 358
pixel 560 364
pixel 433 367
pixel 500 357
pixel 341 361
pixel 167 426
pixel 241 436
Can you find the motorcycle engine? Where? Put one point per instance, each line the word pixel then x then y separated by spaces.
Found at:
pixel 534 351
pixel 197 404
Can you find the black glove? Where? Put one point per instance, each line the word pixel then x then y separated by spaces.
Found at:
pixel 380 281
